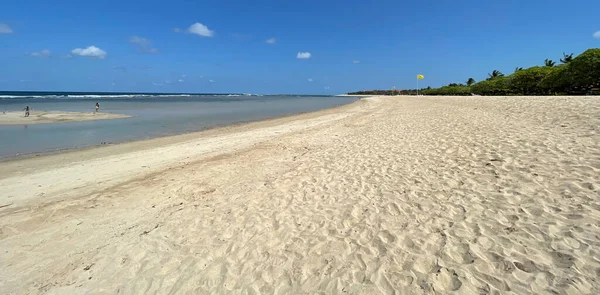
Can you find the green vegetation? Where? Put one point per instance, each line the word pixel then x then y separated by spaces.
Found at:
pixel 549 63
pixel 575 76
pixel 470 82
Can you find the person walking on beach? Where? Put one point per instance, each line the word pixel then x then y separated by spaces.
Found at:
pixel 26 111
pixel 97 107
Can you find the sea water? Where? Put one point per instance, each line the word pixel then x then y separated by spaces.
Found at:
pixel 154 115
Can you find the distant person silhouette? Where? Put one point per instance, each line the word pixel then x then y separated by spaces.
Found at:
pixel 26 111
pixel 97 107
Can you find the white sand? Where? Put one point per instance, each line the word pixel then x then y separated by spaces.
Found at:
pixel 423 195
pixel 44 117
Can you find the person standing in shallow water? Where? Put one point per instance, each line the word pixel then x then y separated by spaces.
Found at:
pixel 97 107
pixel 26 111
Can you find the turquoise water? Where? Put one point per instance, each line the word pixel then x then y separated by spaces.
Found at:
pixel 154 115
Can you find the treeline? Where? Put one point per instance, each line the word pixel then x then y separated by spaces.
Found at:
pixel 375 92
pixel 574 76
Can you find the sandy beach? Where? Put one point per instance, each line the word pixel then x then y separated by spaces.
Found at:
pixel 44 117
pixel 387 195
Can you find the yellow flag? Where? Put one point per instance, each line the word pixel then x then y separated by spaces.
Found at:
pixel 420 77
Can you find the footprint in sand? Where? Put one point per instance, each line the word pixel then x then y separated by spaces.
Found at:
pixel 527 266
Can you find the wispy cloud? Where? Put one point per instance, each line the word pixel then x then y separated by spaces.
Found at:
pixel 271 41
pixel 326 87
pixel 5 29
pixel 310 79
pixel 143 44
pixel 356 61
pixel 120 68
pixel 143 67
pixel 41 54
pixel 211 81
pixel 200 30
pixel 180 81
pixel 303 55
pixel 241 36
pixel 157 84
pixel 91 51
pixel 597 35
pixel 176 30
pixel 140 41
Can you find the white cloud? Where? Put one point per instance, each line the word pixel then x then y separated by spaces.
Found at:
pixel 326 87
pixel 271 41
pixel 200 30
pixel 356 61
pixel 211 81
pixel 157 84
pixel 23 81
pixel 597 35
pixel 91 51
pixel 5 29
pixel 177 30
pixel 310 79
pixel 68 56
pixel 201 77
pixel 168 82
pixel 180 81
pixel 303 55
pixel 42 54
pixel 183 76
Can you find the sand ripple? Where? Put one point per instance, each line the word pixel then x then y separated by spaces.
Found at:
pixel 408 196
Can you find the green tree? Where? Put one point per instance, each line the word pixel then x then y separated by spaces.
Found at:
pixel 584 70
pixel 557 81
pixel 518 69
pixel 549 63
pixel 495 74
pixel 470 82
pixel 495 86
pixel 567 58
pixel 526 82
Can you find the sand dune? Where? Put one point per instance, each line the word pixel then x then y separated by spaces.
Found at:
pixel 405 195
pixel 44 117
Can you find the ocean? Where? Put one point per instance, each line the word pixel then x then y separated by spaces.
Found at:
pixel 154 115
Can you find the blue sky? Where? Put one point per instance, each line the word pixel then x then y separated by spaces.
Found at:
pixel 221 46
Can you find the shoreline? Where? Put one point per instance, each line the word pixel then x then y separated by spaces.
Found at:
pixel 171 139
pixel 219 126
pixel 15 118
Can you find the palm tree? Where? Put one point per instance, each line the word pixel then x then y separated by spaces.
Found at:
pixel 495 74
pixel 518 69
pixel 567 58
pixel 470 82
pixel 549 63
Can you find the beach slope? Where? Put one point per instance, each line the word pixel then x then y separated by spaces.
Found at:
pixel 427 195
